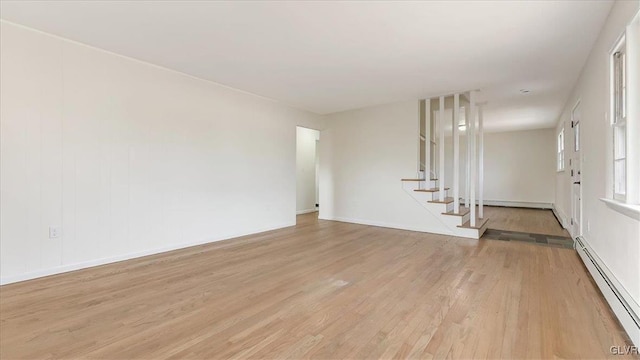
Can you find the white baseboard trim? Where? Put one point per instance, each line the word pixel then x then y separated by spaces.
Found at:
pixel 300 212
pixel 560 216
pixel 522 204
pixel 4 280
pixel 623 305
pixel 385 225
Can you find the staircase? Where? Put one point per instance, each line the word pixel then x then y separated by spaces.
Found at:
pixel 435 115
pixel 427 194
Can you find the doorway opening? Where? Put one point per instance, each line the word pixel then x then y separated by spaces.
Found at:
pixel 307 170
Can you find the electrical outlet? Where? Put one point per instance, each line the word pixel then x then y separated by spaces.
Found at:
pixel 54 232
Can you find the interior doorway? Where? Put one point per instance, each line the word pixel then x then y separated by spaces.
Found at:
pixel 307 170
pixel 576 180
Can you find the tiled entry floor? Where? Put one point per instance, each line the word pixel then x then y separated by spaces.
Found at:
pixel 538 239
pixel 535 221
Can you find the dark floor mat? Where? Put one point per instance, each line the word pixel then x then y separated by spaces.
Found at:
pixel 539 239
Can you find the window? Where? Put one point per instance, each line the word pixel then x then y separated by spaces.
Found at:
pixel 560 157
pixel 623 182
pixel 619 121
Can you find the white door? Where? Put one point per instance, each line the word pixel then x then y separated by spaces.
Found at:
pixel 576 186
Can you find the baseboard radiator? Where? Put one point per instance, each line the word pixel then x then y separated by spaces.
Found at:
pixel 620 306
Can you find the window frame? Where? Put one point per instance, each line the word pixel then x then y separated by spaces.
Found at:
pixel 619 97
pixel 630 206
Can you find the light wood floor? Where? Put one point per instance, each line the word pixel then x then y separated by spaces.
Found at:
pixel 537 221
pixel 321 289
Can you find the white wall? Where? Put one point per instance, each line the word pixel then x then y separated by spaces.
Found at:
pixel 363 155
pixel 519 166
pixel 306 186
pixel 129 158
pixel 614 237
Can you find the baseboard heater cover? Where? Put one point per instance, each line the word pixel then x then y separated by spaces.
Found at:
pixel 624 312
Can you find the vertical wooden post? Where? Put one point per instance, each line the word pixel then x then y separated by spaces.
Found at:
pixel 468 155
pixel 427 141
pixel 480 162
pixel 441 151
pixel 472 159
pixel 434 150
pixel 421 122
pixel 456 153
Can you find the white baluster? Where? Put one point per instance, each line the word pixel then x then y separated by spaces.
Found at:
pixel 441 146
pixel 456 153
pixel 480 163
pixel 427 141
pixel 472 159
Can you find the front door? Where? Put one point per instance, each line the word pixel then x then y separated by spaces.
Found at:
pixel 576 187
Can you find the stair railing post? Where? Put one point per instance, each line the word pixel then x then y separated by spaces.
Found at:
pixel 472 160
pixel 441 123
pixel 467 156
pixel 427 141
pixel 421 122
pixel 456 153
pixel 434 151
pixel 480 162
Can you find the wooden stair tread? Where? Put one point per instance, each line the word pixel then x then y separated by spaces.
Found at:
pixel 463 212
pixel 416 179
pixel 430 190
pixel 447 200
pixel 479 224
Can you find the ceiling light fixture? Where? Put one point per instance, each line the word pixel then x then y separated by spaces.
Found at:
pixel 524 91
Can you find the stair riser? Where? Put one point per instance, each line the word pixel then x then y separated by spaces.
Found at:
pixel 472 233
pixel 435 196
pixel 455 220
pixel 449 207
pixel 452 221
pixel 422 196
pixel 441 207
pixel 437 208
pixel 415 185
pixel 468 233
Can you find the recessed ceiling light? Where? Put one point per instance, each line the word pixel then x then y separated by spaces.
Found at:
pixel 524 91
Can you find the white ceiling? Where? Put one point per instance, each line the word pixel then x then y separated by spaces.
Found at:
pixel 333 56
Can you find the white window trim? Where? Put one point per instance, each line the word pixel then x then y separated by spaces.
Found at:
pixel 632 211
pixel 630 206
pixel 618 122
